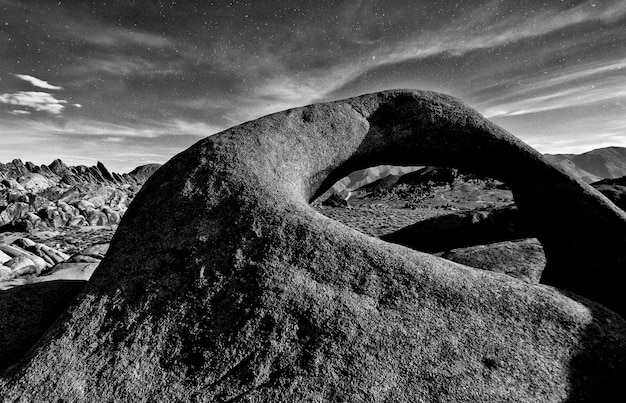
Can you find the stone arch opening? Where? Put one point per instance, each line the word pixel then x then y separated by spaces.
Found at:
pixel 582 233
pixel 456 215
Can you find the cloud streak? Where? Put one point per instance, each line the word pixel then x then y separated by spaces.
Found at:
pixel 572 97
pixel 37 82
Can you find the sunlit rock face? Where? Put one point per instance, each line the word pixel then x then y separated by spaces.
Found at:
pixel 222 283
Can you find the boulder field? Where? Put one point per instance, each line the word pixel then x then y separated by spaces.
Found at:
pixel 223 284
pixel 39 197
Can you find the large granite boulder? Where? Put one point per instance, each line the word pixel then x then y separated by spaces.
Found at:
pixel 223 284
pixel 13 212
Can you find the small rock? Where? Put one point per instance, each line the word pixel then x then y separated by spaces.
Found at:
pixel 24 243
pixel 4 257
pixel 70 271
pixel 523 259
pixel 98 218
pixel 5 272
pixel 79 258
pixel 335 200
pixel 97 250
pixel 21 264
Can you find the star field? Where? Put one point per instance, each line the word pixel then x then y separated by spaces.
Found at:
pixel 130 82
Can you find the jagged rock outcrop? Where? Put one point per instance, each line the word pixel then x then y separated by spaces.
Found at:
pixel 48 197
pixel 143 172
pixel 223 284
pixel 335 200
pixel 58 171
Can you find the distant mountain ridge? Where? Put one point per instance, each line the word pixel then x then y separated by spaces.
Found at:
pixel 58 171
pixel 594 165
pixel 590 167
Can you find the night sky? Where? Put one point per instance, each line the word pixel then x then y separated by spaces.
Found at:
pixel 132 82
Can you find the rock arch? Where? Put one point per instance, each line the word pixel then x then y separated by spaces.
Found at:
pixel 223 284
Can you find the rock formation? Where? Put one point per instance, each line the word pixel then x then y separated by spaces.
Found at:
pixel 54 196
pixel 27 262
pixel 223 284
pixel 143 172
pixel 57 172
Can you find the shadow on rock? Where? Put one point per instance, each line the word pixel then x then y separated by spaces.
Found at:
pixel 463 229
pixel 602 340
pixel 28 311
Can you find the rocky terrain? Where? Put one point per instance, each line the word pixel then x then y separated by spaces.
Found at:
pixel 54 196
pixel 49 214
pixel 222 283
pixel 388 203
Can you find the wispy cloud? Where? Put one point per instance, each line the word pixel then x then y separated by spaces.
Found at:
pixel 19 112
pixel 559 100
pixel 100 130
pixel 127 65
pixel 119 148
pixel 593 82
pixel 39 101
pixel 37 82
pixel 565 144
pixel 112 36
pixel 486 27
